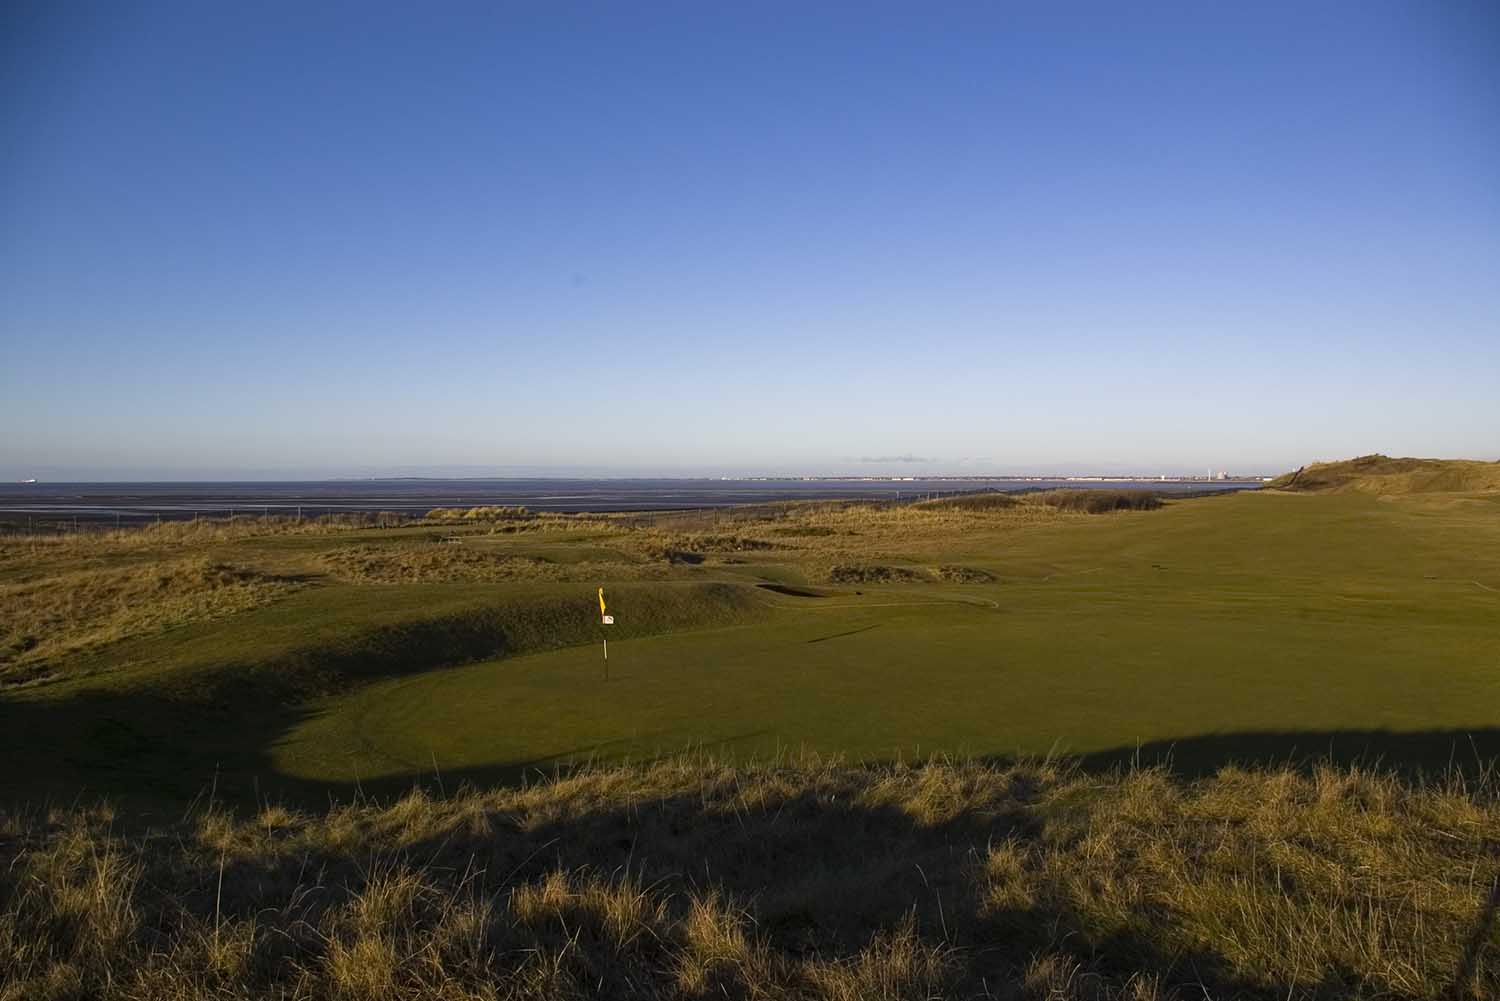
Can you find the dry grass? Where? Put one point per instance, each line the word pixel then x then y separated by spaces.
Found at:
pixel 825 519
pixel 1098 501
pixel 27 556
pixel 459 515
pixel 695 547
pixel 819 525
pixel 1383 475
pixel 194 533
pixel 986 500
pixel 62 596
pixel 867 573
pixel 957 574
pixel 44 623
pixel 411 562
pixel 693 879
pixel 823 535
pixel 880 573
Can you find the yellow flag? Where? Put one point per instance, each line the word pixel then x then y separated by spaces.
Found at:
pixel 601 601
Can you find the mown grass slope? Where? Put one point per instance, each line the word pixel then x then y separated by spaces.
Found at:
pixel 162 716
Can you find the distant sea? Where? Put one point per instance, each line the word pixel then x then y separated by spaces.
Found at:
pixel 56 503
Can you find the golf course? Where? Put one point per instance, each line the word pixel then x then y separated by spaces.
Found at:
pixel 1077 745
pixel 1353 619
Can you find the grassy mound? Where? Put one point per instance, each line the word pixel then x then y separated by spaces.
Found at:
pixel 1381 474
pixel 867 573
pixel 45 623
pixel 1099 501
pixel 160 721
pixel 1085 500
pixel 458 515
pixel 975 502
pixel 442 561
pixel 545 619
pixel 694 548
pixel 695 879
pixel 956 574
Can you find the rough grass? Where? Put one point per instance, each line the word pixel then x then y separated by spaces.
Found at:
pixel 1085 500
pixel 26 556
pixel 45 622
pixel 432 561
pixel 197 532
pixel 443 515
pixel 1100 501
pixel 957 574
pixel 844 520
pixel 982 501
pixel 866 573
pixel 807 880
pixel 1383 475
pixel 393 549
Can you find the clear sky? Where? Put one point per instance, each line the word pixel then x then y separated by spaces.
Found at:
pixel 293 239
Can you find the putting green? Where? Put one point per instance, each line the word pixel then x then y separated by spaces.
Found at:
pixel 1208 619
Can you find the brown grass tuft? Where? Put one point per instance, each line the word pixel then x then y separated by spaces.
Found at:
pixel 1097 501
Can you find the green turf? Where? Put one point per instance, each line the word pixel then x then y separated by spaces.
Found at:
pixel 1229 627
pixel 1237 616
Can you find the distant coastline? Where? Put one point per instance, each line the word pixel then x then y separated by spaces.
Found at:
pixel 66 504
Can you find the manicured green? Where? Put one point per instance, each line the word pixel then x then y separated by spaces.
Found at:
pixel 1227 617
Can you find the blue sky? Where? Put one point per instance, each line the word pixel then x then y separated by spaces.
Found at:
pixel 314 239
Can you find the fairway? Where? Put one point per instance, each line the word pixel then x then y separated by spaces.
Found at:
pixel 1180 627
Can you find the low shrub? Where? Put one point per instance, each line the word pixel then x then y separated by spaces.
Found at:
pixel 954 574
pixel 1099 501
pixel 451 515
pixel 978 502
pixel 862 573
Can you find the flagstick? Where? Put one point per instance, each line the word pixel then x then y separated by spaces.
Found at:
pixel 604 620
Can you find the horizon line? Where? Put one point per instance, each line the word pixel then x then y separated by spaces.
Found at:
pixel 756 477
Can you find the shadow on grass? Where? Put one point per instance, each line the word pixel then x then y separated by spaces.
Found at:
pixel 159 751
pixel 167 746
pixel 821 873
pixel 847 632
pixel 1412 754
pixel 1433 754
pixel 214 724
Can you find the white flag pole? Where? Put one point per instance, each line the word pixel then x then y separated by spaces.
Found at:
pixel 604 619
